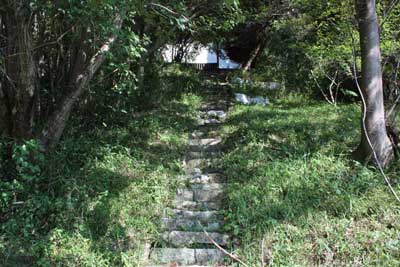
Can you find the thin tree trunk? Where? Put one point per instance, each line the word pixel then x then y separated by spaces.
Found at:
pixel 141 72
pixel 218 52
pixel 4 122
pixel 3 101
pixel 57 122
pixel 371 87
pixel 254 54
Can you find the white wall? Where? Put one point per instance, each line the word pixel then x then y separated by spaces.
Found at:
pixel 226 63
pixel 203 55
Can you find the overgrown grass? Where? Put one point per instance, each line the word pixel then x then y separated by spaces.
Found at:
pixel 99 196
pixel 294 186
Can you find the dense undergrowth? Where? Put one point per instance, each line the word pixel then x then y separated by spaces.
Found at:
pixel 97 199
pixel 296 192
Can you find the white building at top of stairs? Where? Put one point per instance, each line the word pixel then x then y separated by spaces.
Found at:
pixel 201 54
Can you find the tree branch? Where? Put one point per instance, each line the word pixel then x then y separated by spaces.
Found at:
pixel 56 124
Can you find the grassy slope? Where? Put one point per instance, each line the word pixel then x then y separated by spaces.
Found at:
pixel 294 186
pixel 100 197
pixel 103 191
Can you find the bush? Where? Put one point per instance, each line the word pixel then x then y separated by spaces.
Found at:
pixel 96 200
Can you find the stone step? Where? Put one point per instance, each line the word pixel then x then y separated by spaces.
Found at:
pixel 186 256
pixel 205 133
pixel 172 265
pixel 200 194
pixel 196 205
pixel 207 178
pixel 171 224
pixel 203 162
pixel 203 154
pixel 208 194
pixel 202 165
pixel 213 114
pixel 201 216
pixel 184 194
pixel 203 178
pixel 205 141
pixel 183 238
pixel 220 105
pixel 208 122
pixel 205 144
pixel 209 186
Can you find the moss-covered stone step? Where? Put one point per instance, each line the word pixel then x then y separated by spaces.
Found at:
pixel 207 178
pixel 196 205
pixel 203 155
pixel 205 144
pixel 205 132
pixel 186 256
pixel 186 239
pixel 201 194
pixel 201 216
pixel 174 224
pixel 213 114
pixel 202 165
pixel 208 122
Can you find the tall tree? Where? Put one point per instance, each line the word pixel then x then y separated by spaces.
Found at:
pixel 57 122
pixel 20 70
pixel 50 57
pixel 374 134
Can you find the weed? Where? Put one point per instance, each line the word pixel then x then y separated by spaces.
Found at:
pixel 294 185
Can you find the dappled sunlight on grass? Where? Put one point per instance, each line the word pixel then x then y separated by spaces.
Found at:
pixel 294 184
pixel 104 191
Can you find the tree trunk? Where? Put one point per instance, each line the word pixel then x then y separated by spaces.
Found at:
pixel 218 52
pixel 20 70
pixel 371 87
pixel 57 122
pixel 254 54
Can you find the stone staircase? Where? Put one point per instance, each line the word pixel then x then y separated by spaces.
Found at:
pixel 197 206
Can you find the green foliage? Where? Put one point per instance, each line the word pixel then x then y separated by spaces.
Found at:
pixel 297 188
pixel 27 164
pixel 97 200
pixel 310 45
pixel 27 158
pixel 317 35
pixel 184 78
